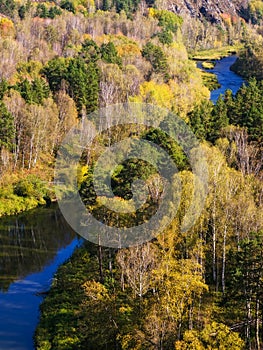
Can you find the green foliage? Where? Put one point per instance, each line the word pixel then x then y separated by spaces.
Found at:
pixel 109 53
pixel 83 82
pixel 24 194
pixel 246 109
pixel 55 72
pixel 170 146
pixel 3 88
pixel 249 63
pixel 33 92
pixel 165 37
pixel 24 9
pixel 43 11
pixel 31 186
pixel 167 19
pixel 200 120
pixel 90 51
pixel 219 120
pixel 7 129
pixel 128 6
pixel 155 55
pixel 68 5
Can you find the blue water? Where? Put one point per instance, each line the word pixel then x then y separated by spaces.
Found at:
pixel 226 78
pixel 20 305
pixel 33 246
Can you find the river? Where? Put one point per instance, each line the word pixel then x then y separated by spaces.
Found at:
pixel 35 243
pixel 226 78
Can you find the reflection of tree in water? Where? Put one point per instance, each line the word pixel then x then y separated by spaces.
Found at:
pixel 29 242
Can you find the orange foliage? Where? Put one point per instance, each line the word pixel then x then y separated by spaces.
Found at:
pixel 6 27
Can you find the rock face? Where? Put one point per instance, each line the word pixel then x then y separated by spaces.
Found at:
pixel 210 10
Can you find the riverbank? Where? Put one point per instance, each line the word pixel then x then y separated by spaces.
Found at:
pixel 24 191
pixel 216 54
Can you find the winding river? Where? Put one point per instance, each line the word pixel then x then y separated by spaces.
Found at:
pixel 35 243
pixel 226 78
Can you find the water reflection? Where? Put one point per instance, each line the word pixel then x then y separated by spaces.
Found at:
pixel 29 241
pixel 33 245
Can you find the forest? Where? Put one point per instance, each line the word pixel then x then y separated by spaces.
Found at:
pixel 197 289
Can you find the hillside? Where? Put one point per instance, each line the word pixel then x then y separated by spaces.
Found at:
pixel 197 283
pixel 211 10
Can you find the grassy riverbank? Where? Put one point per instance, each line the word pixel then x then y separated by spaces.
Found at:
pixel 209 58
pixel 216 54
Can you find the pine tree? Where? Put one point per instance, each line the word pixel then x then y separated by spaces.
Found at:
pixel 219 119
pixel 7 129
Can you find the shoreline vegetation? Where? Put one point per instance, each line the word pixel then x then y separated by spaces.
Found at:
pixel 22 193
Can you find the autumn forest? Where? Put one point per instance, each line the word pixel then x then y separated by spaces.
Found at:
pixel 61 61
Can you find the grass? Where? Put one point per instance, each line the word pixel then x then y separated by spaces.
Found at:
pixel 208 65
pixel 210 80
pixel 215 54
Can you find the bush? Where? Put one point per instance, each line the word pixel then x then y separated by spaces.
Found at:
pixel 30 187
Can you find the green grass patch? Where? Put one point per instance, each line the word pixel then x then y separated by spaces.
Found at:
pixel 208 65
pixel 216 54
pixel 210 80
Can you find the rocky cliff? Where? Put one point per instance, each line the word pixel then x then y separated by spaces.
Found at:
pixel 210 10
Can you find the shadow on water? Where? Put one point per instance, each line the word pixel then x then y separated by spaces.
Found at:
pixel 33 245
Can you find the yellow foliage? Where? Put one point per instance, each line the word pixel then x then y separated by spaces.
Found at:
pixel 95 291
pixel 157 94
pixel 7 28
pixel 128 50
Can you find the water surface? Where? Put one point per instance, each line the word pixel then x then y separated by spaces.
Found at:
pixel 226 78
pixel 33 245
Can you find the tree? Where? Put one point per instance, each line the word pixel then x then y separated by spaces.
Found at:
pixel 246 284
pixel 219 120
pixel 55 72
pixel 33 92
pixel 137 265
pixel 7 130
pixel 83 82
pixel 90 51
pixel 7 7
pixel 155 55
pixel 68 5
pixel 200 120
pixel 213 336
pixel 109 53
pixel 248 109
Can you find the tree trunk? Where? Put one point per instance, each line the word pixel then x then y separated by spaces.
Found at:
pixel 100 260
pixel 257 325
pixel 224 260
